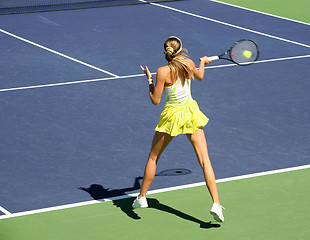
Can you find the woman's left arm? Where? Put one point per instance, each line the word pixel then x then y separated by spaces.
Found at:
pixel 157 90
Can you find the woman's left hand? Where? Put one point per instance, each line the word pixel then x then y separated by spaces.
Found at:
pixel 147 72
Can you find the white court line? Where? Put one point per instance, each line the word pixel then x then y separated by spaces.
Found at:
pixel 256 11
pixel 57 53
pixel 137 75
pixel 70 83
pixel 260 61
pixel 6 212
pixel 114 75
pixel 153 192
pixel 230 25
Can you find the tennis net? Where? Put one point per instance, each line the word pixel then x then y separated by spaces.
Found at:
pixel 24 6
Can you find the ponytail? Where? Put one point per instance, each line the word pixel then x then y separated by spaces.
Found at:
pixel 169 54
pixel 177 58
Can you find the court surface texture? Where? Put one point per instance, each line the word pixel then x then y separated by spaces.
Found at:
pixel 77 123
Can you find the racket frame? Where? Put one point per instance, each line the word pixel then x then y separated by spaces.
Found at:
pixel 229 53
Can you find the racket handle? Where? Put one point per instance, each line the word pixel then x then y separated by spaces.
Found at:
pixel 214 58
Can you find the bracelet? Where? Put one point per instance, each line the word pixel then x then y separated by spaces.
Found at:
pixel 151 87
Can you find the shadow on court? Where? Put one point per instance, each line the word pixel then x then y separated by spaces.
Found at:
pixel 154 203
pixel 98 192
pixel 125 206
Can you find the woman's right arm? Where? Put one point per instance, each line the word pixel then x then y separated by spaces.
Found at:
pixel 199 73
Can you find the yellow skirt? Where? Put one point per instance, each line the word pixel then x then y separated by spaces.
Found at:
pixel 175 121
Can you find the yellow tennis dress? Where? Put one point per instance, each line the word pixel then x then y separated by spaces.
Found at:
pixel 181 114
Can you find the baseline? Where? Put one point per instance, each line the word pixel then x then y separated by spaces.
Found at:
pixel 154 191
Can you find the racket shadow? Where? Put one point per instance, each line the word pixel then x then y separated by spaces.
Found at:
pixel 98 192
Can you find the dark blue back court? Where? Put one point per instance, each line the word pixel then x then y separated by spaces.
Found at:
pixel 57 139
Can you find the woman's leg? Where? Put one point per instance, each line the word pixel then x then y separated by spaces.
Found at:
pixel 198 140
pixel 160 142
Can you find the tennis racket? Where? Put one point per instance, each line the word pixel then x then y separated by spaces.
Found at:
pixel 243 52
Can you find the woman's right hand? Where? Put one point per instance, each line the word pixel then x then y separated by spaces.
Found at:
pixel 205 60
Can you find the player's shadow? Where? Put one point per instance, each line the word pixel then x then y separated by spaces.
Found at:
pixel 98 192
pixel 154 203
pixel 125 206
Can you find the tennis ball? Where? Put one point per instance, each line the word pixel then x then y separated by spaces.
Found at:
pixel 247 54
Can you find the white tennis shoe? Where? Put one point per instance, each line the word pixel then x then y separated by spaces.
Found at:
pixel 140 203
pixel 216 212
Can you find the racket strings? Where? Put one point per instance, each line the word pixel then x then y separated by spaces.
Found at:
pixel 244 52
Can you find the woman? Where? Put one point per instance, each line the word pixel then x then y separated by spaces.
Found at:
pixel 181 115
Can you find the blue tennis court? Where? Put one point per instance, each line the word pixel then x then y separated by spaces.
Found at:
pixel 75 110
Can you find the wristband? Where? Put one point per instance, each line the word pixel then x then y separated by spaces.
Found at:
pixel 151 87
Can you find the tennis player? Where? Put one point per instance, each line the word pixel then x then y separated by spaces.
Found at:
pixel 181 115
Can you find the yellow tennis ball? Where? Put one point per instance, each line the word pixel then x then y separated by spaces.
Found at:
pixel 247 54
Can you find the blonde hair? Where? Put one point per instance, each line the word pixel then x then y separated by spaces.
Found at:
pixel 177 57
